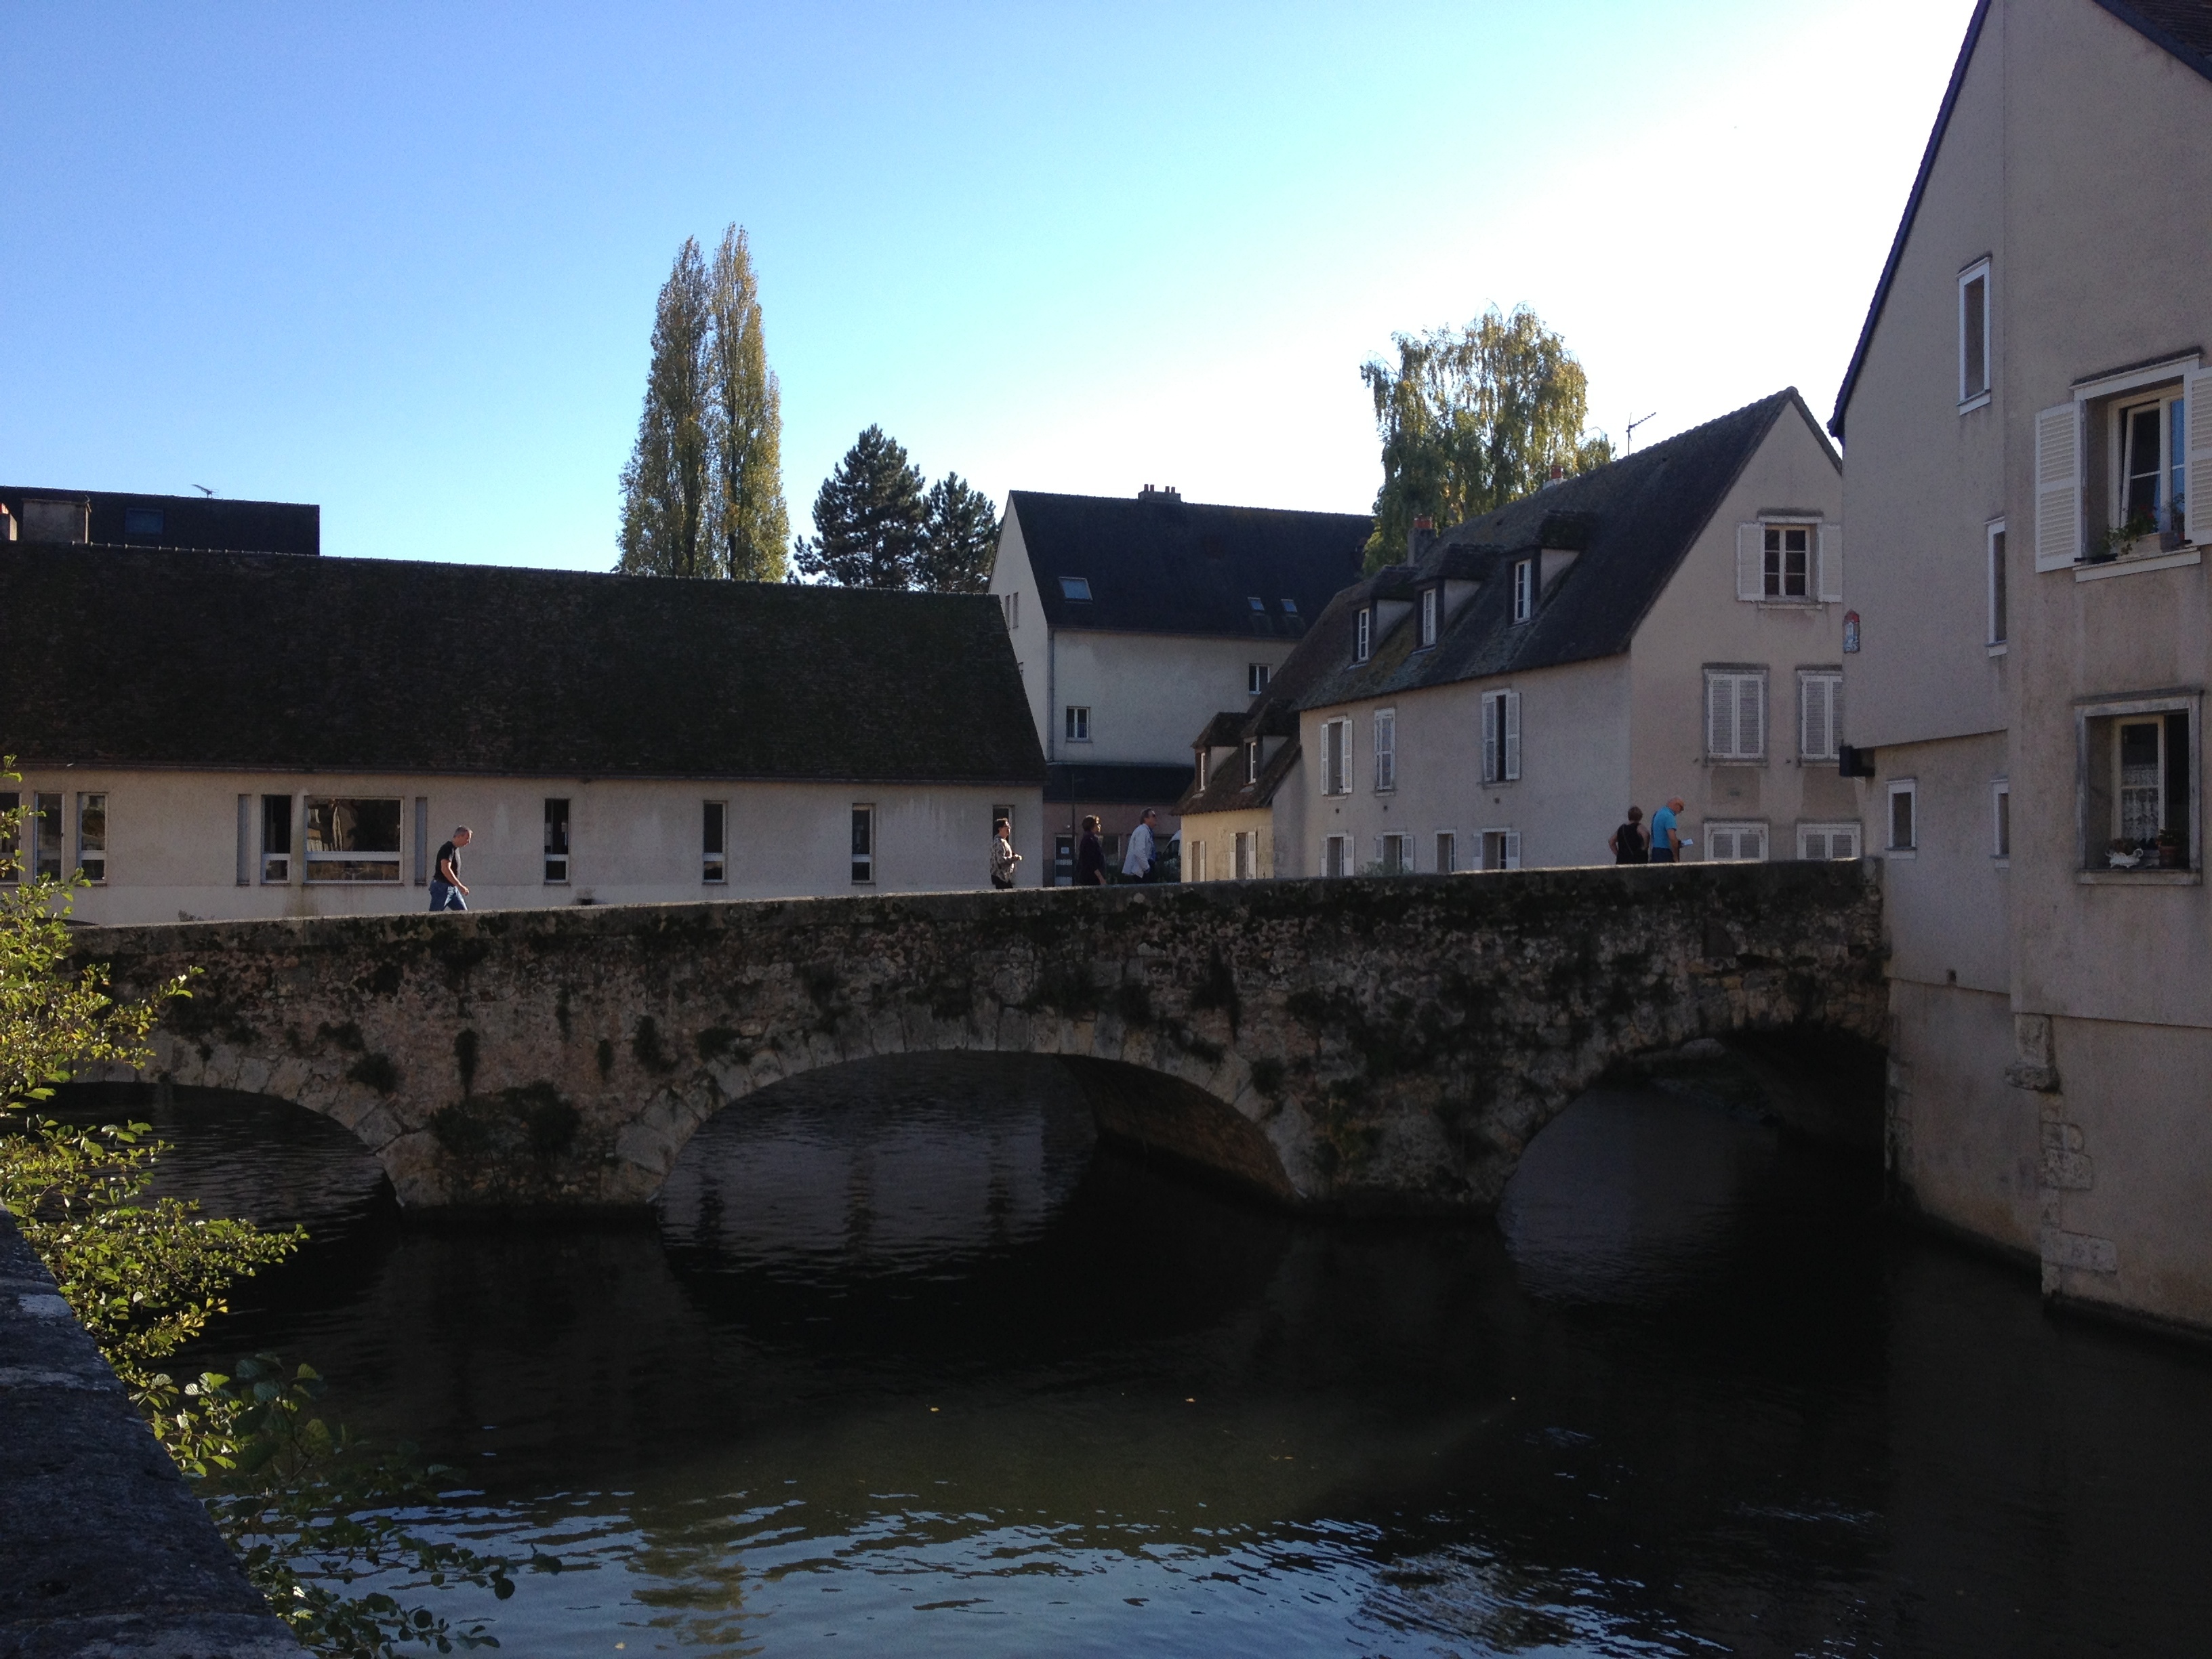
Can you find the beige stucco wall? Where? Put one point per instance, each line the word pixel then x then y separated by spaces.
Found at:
pixel 172 841
pixel 1219 832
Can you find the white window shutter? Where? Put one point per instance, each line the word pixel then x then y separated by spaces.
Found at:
pixel 2058 487
pixel 1817 708
pixel 1720 715
pixel 1831 588
pixel 1750 561
pixel 1489 724
pixel 1512 701
pixel 1513 849
pixel 1751 715
pixel 2196 484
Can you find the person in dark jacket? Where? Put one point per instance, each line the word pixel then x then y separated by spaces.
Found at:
pixel 1628 843
pixel 1089 856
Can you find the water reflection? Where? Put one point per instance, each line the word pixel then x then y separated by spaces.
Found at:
pixel 912 1367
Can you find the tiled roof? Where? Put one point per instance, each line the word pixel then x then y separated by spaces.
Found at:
pixel 1631 521
pixel 123 520
pixel 131 658
pixel 1158 564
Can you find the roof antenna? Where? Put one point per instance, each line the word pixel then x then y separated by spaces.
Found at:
pixel 204 490
pixel 1632 425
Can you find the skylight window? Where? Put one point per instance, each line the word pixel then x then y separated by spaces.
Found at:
pixel 1259 605
pixel 1075 587
pixel 1290 607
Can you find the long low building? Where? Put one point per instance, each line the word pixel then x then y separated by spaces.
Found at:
pixel 220 735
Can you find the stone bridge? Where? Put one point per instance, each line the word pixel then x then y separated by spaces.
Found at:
pixel 1388 1044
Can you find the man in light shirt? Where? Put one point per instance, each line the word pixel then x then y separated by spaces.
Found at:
pixel 1137 864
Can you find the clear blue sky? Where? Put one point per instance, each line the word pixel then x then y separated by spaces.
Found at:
pixel 401 261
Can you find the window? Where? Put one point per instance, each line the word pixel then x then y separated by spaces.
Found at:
pixel 1205 769
pixel 1904 816
pixel 864 844
pixel 1252 761
pixel 1827 841
pixel 1013 611
pixel 421 840
pixel 1259 605
pixel 1336 758
pixel 2149 448
pixel 1501 737
pixel 11 803
pixel 1255 679
pixel 2139 811
pixel 1428 617
pixel 1501 850
pixel 556 842
pixel 1336 856
pixel 1820 712
pixel 276 840
pixel 1786 567
pixel 1246 850
pixel 1996 560
pixel 1386 749
pixel 46 836
pixel 1735 715
pixel 714 841
pixel 1447 852
pixel 1395 851
pixel 352 838
pixel 1974 336
pixel 143 522
pixel 1363 634
pixel 1524 589
pixel 1736 844
pixel 92 837
pixel 1290 607
pixel 1075 587
pixel 1196 870
pixel 1078 724
pixel 2001 818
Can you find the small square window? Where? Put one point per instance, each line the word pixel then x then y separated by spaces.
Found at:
pixel 1256 676
pixel 1078 724
pixel 143 522
pixel 1827 841
pixel 1075 587
pixel 1736 844
pixel 864 844
pixel 1290 607
pixel 556 842
pixel 1259 605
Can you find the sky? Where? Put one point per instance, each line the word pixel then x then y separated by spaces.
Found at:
pixel 401 261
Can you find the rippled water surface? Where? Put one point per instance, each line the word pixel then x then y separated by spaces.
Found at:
pixel 910 1366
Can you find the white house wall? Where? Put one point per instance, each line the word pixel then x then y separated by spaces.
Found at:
pixel 1149 694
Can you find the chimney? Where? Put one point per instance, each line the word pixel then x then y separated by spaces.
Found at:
pixel 1425 531
pixel 1558 476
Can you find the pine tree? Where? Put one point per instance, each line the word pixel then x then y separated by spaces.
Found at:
pixel 868 517
pixel 960 537
pixel 747 518
pixel 665 487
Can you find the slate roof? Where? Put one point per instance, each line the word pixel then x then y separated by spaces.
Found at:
pixel 1159 564
pixel 186 520
pixel 2180 27
pixel 1633 521
pixel 262 661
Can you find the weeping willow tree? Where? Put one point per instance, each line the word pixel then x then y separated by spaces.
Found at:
pixel 1473 418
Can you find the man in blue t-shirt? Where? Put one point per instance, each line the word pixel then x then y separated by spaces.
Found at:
pixel 1667 833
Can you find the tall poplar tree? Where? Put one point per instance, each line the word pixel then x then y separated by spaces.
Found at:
pixel 1473 418
pixel 748 519
pixel 665 530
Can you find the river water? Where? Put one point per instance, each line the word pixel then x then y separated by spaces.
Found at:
pixel 910 1366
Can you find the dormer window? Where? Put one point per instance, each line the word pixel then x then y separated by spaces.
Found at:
pixel 1524 589
pixel 1428 617
pixel 1075 587
pixel 1365 638
pixel 1252 761
pixel 1205 769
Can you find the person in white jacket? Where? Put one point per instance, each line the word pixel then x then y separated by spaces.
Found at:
pixel 1137 863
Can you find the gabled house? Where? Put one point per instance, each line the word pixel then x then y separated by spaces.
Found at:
pixel 2028 480
pixel 1669 624
pixel 1133 619
pixel 218 735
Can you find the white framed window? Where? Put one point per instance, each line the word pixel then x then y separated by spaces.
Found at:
pixel 352 838
pixel 2001 818
pixel 45 835
pixel 1827 841
pixel 1205 769
pixel 1078 723
pixel 1789 562
pixel 92 837
pixel 1974 336
pixel 1737 842
pixel 2121 460
pixel 2148 456
pixel 1820 713
pixel 1735 715
pixel 276 840
pixel 1447 852
pixel 11 866
pixel 864 844
pixel 714 842
pixel 1501 737
pixel 1075 587
pixel 1244 849
pixel 1428 617
pixel 1256 676
pixel 1336 856
pixel 556 842
pixel 1363 634
pixel 1336 758
pixel 1524 589
pixel 1501 850
pixel 1252 760
pixel 2139 769
pixel 1195 863
pixel 1386 750
pixel 1994 540
pixel 1903 817
pixel 1394 851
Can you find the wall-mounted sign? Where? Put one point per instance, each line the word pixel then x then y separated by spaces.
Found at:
pixel 1850 631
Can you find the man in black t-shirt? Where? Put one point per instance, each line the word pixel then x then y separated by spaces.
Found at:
pixel 447 891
